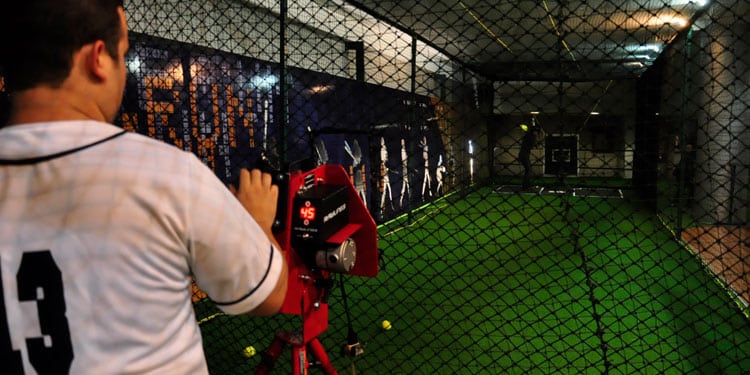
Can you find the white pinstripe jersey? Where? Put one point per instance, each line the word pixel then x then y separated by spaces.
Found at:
pixel 125 222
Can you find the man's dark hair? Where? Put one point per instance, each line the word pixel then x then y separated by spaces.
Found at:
pixel 38 37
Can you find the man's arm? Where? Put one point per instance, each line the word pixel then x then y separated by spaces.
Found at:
pixel 259 196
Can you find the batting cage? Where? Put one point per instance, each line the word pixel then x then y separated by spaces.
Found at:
pixel 556 186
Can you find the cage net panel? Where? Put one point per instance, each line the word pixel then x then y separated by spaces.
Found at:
pixel 558 187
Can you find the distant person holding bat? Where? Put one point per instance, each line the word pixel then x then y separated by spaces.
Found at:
pixel 102 231
pixel 529 141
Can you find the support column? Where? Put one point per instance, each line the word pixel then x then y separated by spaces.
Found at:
pixel 723 137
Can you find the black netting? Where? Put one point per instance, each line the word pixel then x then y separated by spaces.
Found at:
pixel 618 243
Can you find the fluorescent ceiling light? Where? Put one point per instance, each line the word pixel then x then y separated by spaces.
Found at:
pixel 677 21
pixel 649 47
pixel 699 3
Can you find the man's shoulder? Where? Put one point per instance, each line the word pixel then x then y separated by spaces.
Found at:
pixel 135 142
pixel 46 138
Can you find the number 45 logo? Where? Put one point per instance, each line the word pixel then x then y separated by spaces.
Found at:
pixel 39 272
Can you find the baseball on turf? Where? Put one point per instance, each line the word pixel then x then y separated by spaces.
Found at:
pixel 248 351
pixel 386 325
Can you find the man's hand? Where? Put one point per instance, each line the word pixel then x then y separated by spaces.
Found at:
pixel 259 196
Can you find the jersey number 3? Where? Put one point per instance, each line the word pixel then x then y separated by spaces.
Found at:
pixel 39 280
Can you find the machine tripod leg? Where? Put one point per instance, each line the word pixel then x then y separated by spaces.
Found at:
pixel 300 362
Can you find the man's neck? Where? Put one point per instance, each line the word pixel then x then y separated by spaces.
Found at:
pixel 44 104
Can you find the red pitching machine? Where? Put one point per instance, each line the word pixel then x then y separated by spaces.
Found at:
pixel 327 229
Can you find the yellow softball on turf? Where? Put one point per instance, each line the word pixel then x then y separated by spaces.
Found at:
pixel 248 351
pixel 386 325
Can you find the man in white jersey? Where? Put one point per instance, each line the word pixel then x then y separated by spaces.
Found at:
pixel 100 230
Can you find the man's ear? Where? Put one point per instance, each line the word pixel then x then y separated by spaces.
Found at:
pixel 96 60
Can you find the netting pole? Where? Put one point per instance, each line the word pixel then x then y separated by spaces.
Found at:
pixel 413 61
pixel 648 94
pixel 283 10
pixel 359 59
pixel 413 114
pixel 683 134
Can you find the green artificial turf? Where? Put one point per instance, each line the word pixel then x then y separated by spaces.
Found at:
pixel 489 283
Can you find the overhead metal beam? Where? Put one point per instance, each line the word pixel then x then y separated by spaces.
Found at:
pixel 382 18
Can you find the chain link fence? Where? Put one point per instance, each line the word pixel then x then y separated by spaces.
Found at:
pixel 617 244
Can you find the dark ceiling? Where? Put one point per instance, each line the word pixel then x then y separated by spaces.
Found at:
pixel 543 40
